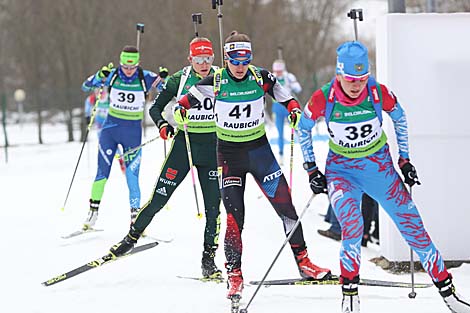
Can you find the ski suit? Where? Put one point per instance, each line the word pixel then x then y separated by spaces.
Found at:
pixel 289 81
pixel 242 147
pixel 122 126
pixel 359 162
pixel 201 129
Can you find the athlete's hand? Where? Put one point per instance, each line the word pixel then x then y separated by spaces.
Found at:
pixel 294 118
pixel 105 70
pixel 162 72
pixel 408 171
pixel 181 115
pixel 166 130
pixel 317 181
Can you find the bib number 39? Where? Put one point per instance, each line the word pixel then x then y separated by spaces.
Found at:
pixel 126 97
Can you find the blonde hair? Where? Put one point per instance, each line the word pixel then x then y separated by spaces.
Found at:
pixel 199 39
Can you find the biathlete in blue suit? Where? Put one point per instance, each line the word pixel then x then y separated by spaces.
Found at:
pixel 128 86
pixel 359 162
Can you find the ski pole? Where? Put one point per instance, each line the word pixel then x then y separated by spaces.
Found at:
pixel 137 148
pixel 291 165
pixel 217 4
pixel 140 30
pixel 197 19
pixel 355 14
pixel 279 52
pixel 412 294
pixel 92 119
pixel 188 148
pixel 291 233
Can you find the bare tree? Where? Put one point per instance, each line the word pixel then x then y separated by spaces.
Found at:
pixel 56 45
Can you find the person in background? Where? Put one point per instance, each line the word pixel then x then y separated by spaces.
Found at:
pixel 359 162
pixel 100 112
pixel 201 130
pixel 290 83
pixel 128 86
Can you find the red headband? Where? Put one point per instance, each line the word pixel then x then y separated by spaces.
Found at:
pixel 200 47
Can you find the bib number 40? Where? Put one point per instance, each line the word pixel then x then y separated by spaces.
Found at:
pixel 206 105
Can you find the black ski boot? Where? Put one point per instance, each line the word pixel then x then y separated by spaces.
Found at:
pixel 209 269
pixel 126 244
pixel 453 300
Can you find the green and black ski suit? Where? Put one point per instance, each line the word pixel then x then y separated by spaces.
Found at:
pixel 202 137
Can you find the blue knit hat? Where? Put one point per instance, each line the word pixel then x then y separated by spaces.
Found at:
pixel 352 59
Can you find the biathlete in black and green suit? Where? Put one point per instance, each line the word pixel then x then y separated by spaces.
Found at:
pixel 201 129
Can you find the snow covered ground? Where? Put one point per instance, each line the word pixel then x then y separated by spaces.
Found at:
pixel 34 184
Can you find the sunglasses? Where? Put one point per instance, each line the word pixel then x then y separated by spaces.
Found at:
pixel 202 60
pixel 128 67
pixel 238 62
pixel 353 79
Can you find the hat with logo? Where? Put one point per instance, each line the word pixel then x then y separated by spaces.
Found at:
pixel 352 59
pixel 129 58
pixel 238 49
pixel 201 47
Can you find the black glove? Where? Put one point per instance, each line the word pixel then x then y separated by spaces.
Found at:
pixel 162 72
pixel 317 181
pixel 409 172
pixel 105 70
pixel 166 130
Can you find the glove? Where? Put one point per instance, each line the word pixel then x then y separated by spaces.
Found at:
pixel 317 181
pixel 408 171
pixel 105 70
pixel 162 72
pixel 181 115
pixel 294 117
pixel 166 130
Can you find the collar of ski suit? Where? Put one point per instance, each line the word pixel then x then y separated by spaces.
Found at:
pixel 344 99
pixel 125 78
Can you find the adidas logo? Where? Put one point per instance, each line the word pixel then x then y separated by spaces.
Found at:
pixel 162 191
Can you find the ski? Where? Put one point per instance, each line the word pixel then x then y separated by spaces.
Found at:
pixel 81 232
pixel 217 280
pixel 108 258
pixel 334 280
pixel 153 238
pixel 235 304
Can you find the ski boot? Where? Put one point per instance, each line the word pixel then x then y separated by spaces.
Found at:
pixel 453 300
pixel 209 269
pixel 350 303
pixel 234 283
pixel 126 244
pixel 307 269
pixel 90 221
